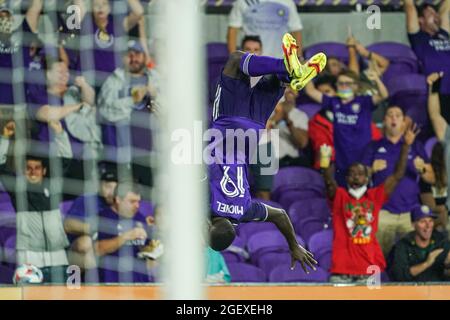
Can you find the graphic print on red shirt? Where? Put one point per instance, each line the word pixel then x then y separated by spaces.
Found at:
pixel 355 223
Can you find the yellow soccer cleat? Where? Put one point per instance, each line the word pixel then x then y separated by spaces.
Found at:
pixel 291 62
pixel 309 70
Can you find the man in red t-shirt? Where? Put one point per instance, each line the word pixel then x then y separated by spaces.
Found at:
pixel 355 212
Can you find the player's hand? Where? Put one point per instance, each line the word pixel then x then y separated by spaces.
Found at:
pixel 9 129
pixel 419 164
pixel 411 133
pixel 379 165
pixel 433 255
pixel 305 258
pixel 432 78
pixel 56 126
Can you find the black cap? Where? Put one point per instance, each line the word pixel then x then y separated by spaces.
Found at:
pixel 108 173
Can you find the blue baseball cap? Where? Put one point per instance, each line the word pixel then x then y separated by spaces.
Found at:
pixel 420 212
pixel 134 45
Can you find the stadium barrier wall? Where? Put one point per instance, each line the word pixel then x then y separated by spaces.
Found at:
pixel 234 292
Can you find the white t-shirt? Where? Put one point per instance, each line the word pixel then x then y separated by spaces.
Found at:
pixel 286 146
pixel 269 19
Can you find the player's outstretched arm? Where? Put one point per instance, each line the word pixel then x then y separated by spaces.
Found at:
pixel 280 218
pixel 400 168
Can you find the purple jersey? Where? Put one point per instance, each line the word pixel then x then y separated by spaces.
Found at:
pixel 351 127
pixel 10 50
pixel 434 53
pixel 239 106
pixel 235 98
pixel 131 269
pixel 406 194
pixel 99 50
pixel 86 208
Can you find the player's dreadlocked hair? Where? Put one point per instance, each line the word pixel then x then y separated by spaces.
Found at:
pixel 221 234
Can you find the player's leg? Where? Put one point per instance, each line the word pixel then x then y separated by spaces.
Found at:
pixel 253 66
pixel 301 73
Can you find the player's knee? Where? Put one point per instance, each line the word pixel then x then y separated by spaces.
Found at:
pixel 222 234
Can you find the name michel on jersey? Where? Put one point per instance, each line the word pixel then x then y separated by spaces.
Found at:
pixel 229 209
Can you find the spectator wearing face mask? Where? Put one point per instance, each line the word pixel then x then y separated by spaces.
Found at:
pixel 355 213
pixel 352 118
pixel 320 127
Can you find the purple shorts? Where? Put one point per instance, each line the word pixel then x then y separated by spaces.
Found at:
pixel 230 194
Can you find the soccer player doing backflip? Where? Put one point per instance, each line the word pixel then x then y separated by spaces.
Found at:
pixel 240 104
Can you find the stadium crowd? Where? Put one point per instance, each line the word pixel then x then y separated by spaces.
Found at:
pixel 78 116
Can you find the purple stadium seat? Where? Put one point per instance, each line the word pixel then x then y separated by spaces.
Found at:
pixel 300 179
pixel 246 230
pixel 331 49
pixel 6 275
pixel 429 145
pixel 270 203
pixel 236 252
pixel 65 207
pixel 9 250
pixel 268 241
pixel 310 109
pixel 243 272
pixel 324 260
pixel 270 260
pixel 321 241
pixel 402 59
pixel 288 197
pixel 293 177
pixel 6 207
pixel 315 207
pixel 306 227
pixel 285 274
pixel 407 83
pixel 217 55
pixel 410 93
pixel 231 257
